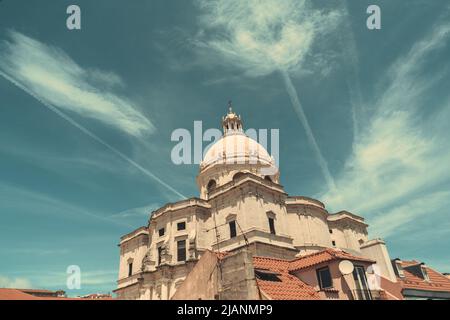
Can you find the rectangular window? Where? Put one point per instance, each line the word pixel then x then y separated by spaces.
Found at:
pixel 232 225
pixel 130 269
pixel 272 225
pixel 333 243
pixel 331 231
pixel 362 287
pixel 324 277
pixel 181 226
pixel 181 250
pixel 161 232
pixel 159 255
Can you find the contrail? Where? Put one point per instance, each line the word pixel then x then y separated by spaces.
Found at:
pixel 352 61
pixel 312 140
pixel 92 135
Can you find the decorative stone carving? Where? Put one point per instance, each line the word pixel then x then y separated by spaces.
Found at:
pixel 192 244
pixel 148 262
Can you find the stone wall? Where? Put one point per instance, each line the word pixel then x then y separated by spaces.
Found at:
pixel 238 277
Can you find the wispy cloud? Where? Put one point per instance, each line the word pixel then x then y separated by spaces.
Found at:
pixel 95 137
pixel 399 166
pixel 397 219
pixel 90 279
pixel 19 198
pixel 17 283
pixel 263 37
pixel 139 212
pixel 54 77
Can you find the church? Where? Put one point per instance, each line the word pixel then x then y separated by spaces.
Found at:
pixel 244 237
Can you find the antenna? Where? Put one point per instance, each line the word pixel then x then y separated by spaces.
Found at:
pixel 219 260
pixel 215 228
pixel 243 234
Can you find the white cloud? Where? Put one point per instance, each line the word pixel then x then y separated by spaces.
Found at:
pixel 57 279
pixel 31 202
pixel 397 219
pixel 51 75
pixel 399 163
pixel 261 36
pixel 17 283
pixel 139 212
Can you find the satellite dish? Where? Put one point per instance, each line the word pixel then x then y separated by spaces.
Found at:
pixel 346 267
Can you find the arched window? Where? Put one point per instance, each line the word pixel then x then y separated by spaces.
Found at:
pixel 211 185
pixel 268 178
pixel 237 175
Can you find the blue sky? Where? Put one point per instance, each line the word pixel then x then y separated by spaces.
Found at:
pixel 86 118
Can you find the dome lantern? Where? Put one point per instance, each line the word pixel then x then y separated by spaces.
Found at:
pixel 231 123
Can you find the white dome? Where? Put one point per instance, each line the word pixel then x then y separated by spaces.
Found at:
pixel 236 148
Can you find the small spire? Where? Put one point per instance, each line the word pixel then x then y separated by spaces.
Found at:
pixel 231 123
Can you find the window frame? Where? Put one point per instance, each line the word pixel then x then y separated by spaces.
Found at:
pixel 272 229
pixel 184 247
pixel 361 282
pixel 232 229
pixel 320 280
pixel 181 223
pixel 163 232
pixel 130 269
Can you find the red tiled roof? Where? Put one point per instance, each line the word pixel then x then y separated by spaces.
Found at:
pixel 17 294
pixel 438 282
pixel 37 290
pixel 289 287
pixel 324 256
pixel 270 263
pixel 14 294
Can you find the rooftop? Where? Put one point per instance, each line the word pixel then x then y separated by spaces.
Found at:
pixel 274 278
pixel 410 280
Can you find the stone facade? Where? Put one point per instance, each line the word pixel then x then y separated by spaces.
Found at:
pixel 241 204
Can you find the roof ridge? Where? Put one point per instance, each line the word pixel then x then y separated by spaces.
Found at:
pixel 311 255
pixel 272 258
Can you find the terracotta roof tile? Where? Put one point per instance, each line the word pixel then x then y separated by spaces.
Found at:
pixel 14 294
pixel 438 282
pixel 37 290
pixel 17 294
pixel 324 256
pixel 288 287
